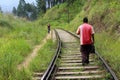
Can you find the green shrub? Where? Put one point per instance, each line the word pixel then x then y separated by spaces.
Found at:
pixel 4 23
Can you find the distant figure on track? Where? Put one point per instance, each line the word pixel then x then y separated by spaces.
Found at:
pixel 48 28
pixel 86 33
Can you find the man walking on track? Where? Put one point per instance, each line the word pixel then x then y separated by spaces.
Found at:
pixel 86 33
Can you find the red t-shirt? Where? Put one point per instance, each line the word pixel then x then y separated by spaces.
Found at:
pixel 85 31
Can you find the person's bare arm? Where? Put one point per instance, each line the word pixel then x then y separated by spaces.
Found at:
pixel 78 31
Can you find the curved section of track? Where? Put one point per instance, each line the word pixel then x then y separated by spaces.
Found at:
pixel 69 63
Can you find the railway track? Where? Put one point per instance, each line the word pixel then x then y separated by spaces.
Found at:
pixel 67 63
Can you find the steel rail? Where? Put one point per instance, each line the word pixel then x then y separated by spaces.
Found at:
pixel 101 59
pixel 51 66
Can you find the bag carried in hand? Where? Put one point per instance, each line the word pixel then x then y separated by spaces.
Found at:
pixel 92 49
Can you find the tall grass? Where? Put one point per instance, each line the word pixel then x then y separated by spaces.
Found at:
pixel 17 39
pixel 18 36
pixel 104 16
pixel 108 46
pixel 45 55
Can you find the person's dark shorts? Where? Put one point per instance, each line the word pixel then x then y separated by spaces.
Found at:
pixel 85 48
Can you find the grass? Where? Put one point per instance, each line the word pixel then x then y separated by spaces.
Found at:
pixel 105 20
pixel 108 47
pixel 39 64
pixel 45 55
pixel 17 39
pixel 18 36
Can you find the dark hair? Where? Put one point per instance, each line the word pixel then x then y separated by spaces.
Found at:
pixel 85 20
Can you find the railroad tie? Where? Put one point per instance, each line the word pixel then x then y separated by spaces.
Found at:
pixel 70 66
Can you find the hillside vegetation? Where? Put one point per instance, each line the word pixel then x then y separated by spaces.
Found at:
pixel 19 36
pixel 105 18
pixel 17 39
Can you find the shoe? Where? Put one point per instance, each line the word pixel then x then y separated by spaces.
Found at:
pixel 83 64
pixel 87 62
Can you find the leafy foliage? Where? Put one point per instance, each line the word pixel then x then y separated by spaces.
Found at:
pixel 41 5
pixel 25 10
pixel 21 9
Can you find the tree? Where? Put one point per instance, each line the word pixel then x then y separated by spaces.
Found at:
pixel 55 2
pixel 41 5
pixel 1 10
pixel 48 3
pixel 31 11
pixel 14 11
pixel 21 9
pixel 69 2
pixel 25 10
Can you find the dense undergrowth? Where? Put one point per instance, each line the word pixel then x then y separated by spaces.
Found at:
pixel 18 36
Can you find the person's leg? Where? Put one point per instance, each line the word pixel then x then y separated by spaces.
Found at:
pixel 87 58
pixel 83 53
pixel 49 30
pixel 88 53
pixel 84 58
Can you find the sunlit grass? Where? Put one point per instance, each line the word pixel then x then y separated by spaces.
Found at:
pixel 17 39
pixel 108 47
pixel 18 36
pixel 45 55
